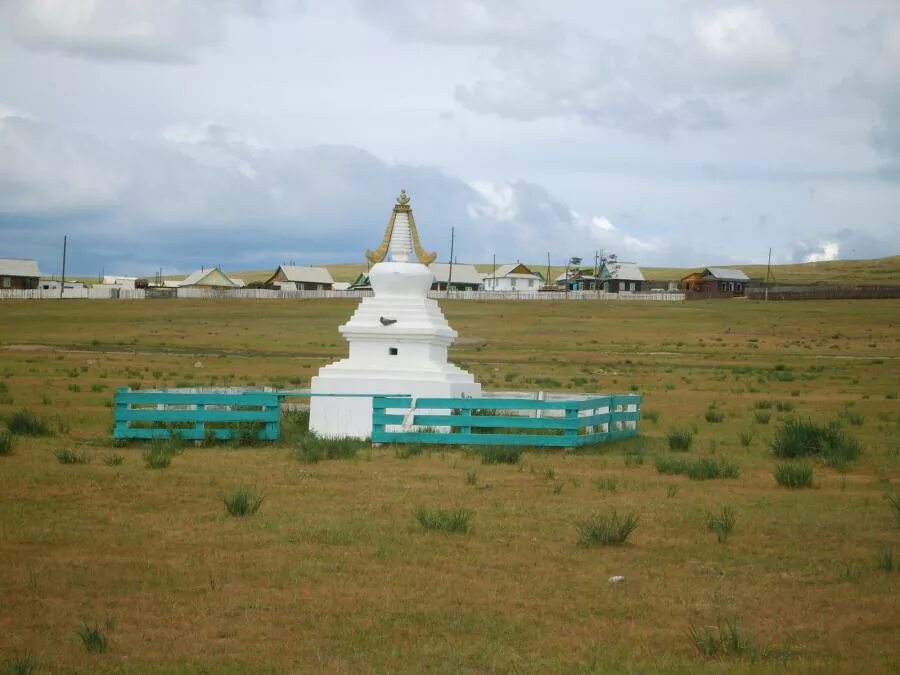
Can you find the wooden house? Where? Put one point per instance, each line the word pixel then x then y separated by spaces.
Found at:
pixel 19 274
pixel 361 283
pixel 618 277
pixel 459 277
pixel 515 277
pixel 300 278
pixel 715 282
pixel 577 280
pixel 211 277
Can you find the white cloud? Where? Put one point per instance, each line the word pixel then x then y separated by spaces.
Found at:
pixel 742 47
pixel 143 30
pixel 824 251
pixel 603 223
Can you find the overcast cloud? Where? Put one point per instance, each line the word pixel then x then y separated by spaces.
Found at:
pixel 178 133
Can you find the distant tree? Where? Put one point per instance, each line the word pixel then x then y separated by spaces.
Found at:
pixel 256 284
pixel 141 283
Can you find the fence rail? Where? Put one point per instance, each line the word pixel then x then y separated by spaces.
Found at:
pixel 505 421
pixel 196 415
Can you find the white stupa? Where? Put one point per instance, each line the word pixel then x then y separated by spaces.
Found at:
pixel 398 340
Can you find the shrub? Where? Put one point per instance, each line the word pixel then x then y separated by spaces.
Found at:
pixel 472 477
pixel 242 502
pixel 634 458
pixel 607 483
pixel 26 423
pixel 98 387
pixel 854 418
pixel 714 416
pixel 113 460
pixel 311 449
pixel 157 456
pixel 701 469
pixel 68 457
pixel 746 437
pixel 894 501
pixel 6 443
pixel 499 454
pixel 606 529
pixel 452 521
pixel 706 469
pixel 408 450
pixel 725 639
pixel 671 491
pixel 784 406
pixel 20 665
pixel 801 438
pixel 885 560
pixel 680 439
pixel 792 475
pixel 650 415
pixel 761 417
pixel 722 524
pixel 93 638
pixel 762 404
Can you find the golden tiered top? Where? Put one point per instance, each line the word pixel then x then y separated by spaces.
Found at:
pixel 402 206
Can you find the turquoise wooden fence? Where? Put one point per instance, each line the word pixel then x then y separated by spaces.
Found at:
pixel 196 415
pixel 505 421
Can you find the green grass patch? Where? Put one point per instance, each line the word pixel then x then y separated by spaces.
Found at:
pixel 499 454
pixel 805 438
pixel 93 638
pixel 721 523
pixel 242 502
pixel 723 640
pixel 7 440
pixel 67 456
pixel 311 449
pixel 680 439
pixel 699 469
pixel 793 475
pixel 762 416
pixel 453 521
pixel 607 529
pixel 25 423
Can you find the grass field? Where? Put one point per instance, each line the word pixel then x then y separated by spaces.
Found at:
pixel 353 564
pixel 881 271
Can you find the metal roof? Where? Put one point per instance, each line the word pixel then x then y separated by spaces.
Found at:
pixel 506 271
pixel 195 278
pixel 19 267
pixel 462 274
pixel 622 271
pixel 306 274
pixel 725 274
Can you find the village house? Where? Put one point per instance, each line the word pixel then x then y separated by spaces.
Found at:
pixel 577 280
pixel 300 278
pixel 361 283
pixel 18 274
pixel 618 277
pixel 715 282
pixel 211 277
pixel 515 277
pixel 464 277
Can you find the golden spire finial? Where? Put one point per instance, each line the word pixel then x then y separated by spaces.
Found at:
pixel 402 206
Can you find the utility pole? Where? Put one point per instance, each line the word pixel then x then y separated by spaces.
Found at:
pixel 547 280
pixel 62 285
pixel 450 272
pixel 494 274
pixel 596 263
pixel 768 273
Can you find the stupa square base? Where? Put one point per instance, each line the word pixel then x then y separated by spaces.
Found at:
pixel 333 415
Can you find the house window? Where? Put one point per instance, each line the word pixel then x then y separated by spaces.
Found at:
pixel 392 351
pixel 513 283
pixel 737 287
pixel 631 286
pixel 7 282
pixel 606 287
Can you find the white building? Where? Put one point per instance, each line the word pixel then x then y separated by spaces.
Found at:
pixel 121 282
pixel 515 277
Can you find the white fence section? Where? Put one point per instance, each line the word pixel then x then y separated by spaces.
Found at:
pixel 106 293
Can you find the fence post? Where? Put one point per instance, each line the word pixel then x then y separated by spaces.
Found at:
pixel 121 428
pixel 571 414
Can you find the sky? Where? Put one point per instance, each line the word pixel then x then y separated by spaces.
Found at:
pixel 175 134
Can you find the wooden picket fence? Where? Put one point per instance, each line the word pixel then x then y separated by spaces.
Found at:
pixel 505 421
pixel 196 415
